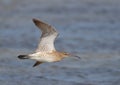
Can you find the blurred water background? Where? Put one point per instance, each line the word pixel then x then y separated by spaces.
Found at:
pixel 89 28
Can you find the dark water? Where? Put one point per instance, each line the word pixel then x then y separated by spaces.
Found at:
pixel 90 28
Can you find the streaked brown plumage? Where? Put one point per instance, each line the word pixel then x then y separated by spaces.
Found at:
pixel 46 51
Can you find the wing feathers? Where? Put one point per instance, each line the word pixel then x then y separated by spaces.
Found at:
pixel 48 36
pixel 44 27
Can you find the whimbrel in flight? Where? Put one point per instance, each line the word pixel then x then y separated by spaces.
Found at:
pixel 46 51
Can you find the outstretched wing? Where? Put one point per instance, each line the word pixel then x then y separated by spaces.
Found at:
pixel 47 38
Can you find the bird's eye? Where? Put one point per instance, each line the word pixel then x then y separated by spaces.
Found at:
pixel 65 53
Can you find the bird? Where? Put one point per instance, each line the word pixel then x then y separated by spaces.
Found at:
pixel 46 52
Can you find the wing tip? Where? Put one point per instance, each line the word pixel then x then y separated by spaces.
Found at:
pixel 38 22
pixel 35 20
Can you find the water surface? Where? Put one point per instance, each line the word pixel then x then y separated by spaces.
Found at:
pixel 89 28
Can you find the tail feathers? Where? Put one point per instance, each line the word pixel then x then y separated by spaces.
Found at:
pixel 23 57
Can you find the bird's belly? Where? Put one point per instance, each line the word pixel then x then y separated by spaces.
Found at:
pixel 45 59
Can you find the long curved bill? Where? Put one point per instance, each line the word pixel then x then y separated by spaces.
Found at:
pixel 73 55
